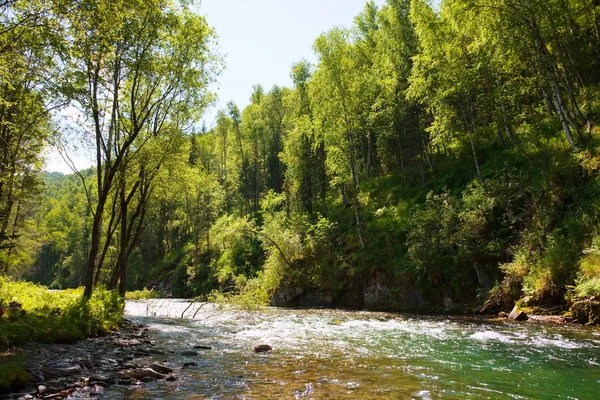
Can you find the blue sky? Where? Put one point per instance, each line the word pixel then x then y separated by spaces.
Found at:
pixel 260 40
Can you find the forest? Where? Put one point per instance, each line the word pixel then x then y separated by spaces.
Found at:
pixel 435 157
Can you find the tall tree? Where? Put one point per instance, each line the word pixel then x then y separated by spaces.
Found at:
pixel 136 73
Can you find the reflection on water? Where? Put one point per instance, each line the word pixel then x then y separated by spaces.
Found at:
pixel 327 354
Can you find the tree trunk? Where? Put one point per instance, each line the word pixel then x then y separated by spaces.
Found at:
pixel 560 110
pixel 92 264
pixel 355 189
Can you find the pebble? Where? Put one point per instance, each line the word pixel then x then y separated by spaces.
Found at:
pixel 82 370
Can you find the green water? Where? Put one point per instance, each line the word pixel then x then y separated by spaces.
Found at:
pixel 324 354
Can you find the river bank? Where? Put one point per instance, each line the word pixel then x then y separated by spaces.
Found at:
pixel 84 369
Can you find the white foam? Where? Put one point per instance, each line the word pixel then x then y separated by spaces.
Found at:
pixel 491 335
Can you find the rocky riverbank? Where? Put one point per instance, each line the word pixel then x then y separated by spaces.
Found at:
pixel 84 369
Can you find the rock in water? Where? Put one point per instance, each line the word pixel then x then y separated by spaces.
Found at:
pixel 147 373
pixel 97 378
pixel 262 348
pixel 163 369
pixel 517 315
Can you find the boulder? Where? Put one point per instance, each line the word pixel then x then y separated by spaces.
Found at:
pixel 517 315
pixel 147 373
pixel 375 295
pixel 202 347
pixel 286 295
pixel 163 369
pixel 262 348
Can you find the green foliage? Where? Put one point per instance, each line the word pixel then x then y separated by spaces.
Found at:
pixel 143 294
pixel 451 151
pixel 64 316
pixel 249 295
pixel 588 281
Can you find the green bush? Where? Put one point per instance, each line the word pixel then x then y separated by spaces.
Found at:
pixel 143 294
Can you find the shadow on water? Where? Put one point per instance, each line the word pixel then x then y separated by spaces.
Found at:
pixel 329 354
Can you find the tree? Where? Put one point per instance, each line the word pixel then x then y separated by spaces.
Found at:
pixel 135 76
pixel 335 80
pixel 27 97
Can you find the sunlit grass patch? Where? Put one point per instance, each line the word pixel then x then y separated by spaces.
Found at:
pixel 34 313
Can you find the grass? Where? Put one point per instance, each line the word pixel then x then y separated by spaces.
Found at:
pixel 34 313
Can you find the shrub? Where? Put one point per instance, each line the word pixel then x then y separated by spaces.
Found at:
pixel 143 294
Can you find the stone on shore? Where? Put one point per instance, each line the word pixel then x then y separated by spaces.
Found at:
pixel 97 378
pixel 57 372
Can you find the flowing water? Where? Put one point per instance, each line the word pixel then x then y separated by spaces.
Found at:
pixel 330 354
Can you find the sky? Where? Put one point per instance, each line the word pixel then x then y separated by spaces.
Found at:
pixel 260 41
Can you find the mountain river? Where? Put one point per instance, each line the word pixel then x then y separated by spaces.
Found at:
pixel 332 354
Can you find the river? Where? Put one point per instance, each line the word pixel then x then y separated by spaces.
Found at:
pixel 332 354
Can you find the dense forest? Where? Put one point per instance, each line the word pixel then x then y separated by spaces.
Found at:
pixel 435 157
